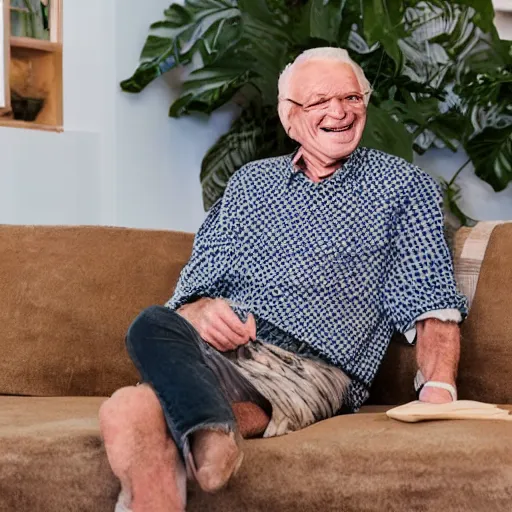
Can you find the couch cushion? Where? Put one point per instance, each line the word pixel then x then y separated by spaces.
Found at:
pixel 51 458
pixel 68 296
pixel 485 371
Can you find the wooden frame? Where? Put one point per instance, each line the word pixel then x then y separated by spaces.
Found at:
pixel 44 60
pixel 5 53
pixel 56 21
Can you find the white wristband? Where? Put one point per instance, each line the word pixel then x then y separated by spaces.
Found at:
pixel 442 385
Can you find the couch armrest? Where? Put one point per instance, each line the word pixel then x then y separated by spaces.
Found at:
pixel 483 268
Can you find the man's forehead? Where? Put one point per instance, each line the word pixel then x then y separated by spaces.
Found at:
pixel 323 78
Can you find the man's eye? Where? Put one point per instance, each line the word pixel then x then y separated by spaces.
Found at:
pixel 354 97
pixel 318 104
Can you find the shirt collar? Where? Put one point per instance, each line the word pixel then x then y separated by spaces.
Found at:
pixel 297 163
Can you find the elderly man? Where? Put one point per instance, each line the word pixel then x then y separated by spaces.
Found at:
pixel 282 316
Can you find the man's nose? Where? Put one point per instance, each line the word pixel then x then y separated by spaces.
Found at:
pixel 337 108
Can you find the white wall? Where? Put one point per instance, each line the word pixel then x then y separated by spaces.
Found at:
pixel 158 158
pixel 478 199
pixel 49 178
pixel 122 160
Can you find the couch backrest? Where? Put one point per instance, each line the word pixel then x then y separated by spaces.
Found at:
pixel 68 295
pixel 485 371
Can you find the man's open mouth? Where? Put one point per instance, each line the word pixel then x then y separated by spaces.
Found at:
pixel 338 129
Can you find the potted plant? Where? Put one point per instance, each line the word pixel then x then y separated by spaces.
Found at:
pixel 441 76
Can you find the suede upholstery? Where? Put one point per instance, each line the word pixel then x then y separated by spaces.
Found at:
pixel 70 293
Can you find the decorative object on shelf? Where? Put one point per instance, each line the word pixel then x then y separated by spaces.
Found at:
pixel 440 73
pixel 27 94
pixel 29 18
pixel 25 109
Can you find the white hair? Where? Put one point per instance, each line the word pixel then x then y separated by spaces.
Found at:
pixel 326 53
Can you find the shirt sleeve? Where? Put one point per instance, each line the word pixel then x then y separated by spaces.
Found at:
pixel 205 274
pixel 420 278
pixel 445 315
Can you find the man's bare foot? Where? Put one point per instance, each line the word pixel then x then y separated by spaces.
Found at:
pixel 215 457
pixel 140 452
pixel 252 421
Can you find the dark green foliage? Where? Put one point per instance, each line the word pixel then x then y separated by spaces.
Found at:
pixel 440 74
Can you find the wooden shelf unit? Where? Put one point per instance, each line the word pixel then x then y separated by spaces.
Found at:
pixel 29 125
pixel 44 59
pixel 35 44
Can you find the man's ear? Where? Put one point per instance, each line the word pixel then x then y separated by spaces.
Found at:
pixel 284 110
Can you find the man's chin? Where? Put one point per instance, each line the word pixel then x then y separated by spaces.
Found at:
pixel 341 150
pixel 341 146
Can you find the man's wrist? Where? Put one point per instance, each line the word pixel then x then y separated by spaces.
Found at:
pixel 435 395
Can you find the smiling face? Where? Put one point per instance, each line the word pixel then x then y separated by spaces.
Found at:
pixel 328 113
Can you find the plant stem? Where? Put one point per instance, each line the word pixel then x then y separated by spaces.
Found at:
pixel 452 181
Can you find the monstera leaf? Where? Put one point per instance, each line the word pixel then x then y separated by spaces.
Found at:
pixel 256 134
pixel 325 19
pixel 491 154
pixel 384 133
pixel 208 89
pixel 198 25
pixel 383 24
pixel 235 148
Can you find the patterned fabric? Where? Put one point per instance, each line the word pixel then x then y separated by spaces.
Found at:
pixel 337 265
pixel 469 261
pixel 300 390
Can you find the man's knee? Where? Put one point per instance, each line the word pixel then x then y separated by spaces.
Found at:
pixel 131 405
pixel 148 321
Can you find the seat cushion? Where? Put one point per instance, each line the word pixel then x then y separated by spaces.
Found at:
pixel 51 458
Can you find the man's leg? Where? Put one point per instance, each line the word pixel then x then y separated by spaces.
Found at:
pixel 168 353
pixel 140 452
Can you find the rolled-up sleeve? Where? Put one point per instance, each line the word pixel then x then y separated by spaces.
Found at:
pixel 420 278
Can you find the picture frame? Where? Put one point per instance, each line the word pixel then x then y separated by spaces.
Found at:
pixel 5 97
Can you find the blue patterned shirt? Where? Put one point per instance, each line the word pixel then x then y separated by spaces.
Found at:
pixel 336 265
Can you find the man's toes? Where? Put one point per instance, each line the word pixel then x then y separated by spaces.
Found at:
pixel 215 457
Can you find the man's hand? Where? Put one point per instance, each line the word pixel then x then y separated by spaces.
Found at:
pixel 437 354
pixel 218 324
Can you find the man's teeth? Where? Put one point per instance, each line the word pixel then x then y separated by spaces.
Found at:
pixel 337 129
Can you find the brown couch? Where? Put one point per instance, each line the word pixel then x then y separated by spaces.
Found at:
pixel 68 295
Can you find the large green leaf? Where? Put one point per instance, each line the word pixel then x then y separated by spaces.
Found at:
pixel 256 134
pixel 443 40
pixel 235 148
pixel 383 24
pixel 325 19
pixel 207 89
pixel 483 15
pixel 185 30
pixel 422 114
pixel 491 154
pixel 267 39
pixel 384 133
